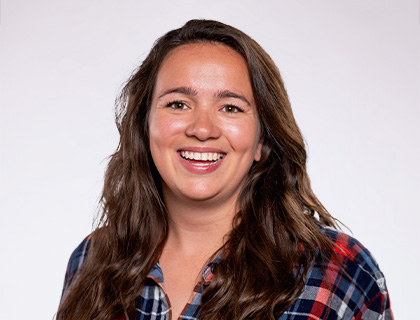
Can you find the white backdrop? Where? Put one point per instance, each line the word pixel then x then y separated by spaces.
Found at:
pixel 351 68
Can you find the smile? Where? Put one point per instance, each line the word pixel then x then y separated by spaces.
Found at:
pixel 207 157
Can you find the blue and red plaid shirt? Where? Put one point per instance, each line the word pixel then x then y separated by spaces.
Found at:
pixel 358 293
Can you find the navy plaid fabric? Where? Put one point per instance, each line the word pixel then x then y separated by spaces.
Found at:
pixel 359 292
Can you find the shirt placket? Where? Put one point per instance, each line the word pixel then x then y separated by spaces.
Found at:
pixel 156 305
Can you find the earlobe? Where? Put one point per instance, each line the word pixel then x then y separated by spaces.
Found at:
pixel 257 156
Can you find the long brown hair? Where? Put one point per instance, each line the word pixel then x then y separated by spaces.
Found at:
pixel 275 236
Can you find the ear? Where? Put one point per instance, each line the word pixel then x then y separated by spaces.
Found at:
pixel 257 156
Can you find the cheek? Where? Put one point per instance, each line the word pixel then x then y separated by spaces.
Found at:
pixel 244 136
pixel 162 129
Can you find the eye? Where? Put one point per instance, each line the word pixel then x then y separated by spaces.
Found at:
pixel 231 109
pixel 177 105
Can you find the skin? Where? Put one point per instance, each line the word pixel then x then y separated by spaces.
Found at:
pixel 214 113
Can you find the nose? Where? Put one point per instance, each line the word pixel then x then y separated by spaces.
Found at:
pixel 203 125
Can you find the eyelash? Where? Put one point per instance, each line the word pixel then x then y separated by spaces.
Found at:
pixel 233 106
pixel 173 103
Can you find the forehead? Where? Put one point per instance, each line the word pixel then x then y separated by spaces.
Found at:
pixel 205 65
pixel 206 50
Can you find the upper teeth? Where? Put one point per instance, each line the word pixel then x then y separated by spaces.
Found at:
pixel 204 156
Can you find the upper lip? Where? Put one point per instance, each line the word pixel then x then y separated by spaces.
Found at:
pixel 201 149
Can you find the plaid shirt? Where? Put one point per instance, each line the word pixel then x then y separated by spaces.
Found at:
pixel 361 294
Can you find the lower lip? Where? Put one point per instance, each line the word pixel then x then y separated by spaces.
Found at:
pixel 200 167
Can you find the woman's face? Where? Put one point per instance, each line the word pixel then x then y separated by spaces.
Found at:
pixel 203 124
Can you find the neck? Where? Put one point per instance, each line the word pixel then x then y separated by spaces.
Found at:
pixel 198 226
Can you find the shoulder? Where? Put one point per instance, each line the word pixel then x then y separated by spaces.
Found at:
pixel 355 257
pixel 349 285
pixel 76 261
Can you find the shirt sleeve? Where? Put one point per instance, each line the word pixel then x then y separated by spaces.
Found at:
pixel 379 306
pixel 75 263
pixel 366 277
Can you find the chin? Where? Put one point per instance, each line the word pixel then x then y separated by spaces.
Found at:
pixel 200 196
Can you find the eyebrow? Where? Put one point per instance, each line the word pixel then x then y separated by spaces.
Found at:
pixel 230 94
pixel 192 92
pixel 184 90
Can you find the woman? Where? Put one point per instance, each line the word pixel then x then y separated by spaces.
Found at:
pixel 208 211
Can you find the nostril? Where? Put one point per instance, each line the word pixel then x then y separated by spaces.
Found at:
pixel 203 128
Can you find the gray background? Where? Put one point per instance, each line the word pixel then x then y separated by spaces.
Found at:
pixel 352 72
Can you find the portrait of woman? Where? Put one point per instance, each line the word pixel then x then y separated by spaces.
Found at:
pixel 207 210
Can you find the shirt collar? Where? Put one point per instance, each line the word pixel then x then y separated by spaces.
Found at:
pixel 156 273
pixel 208 269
